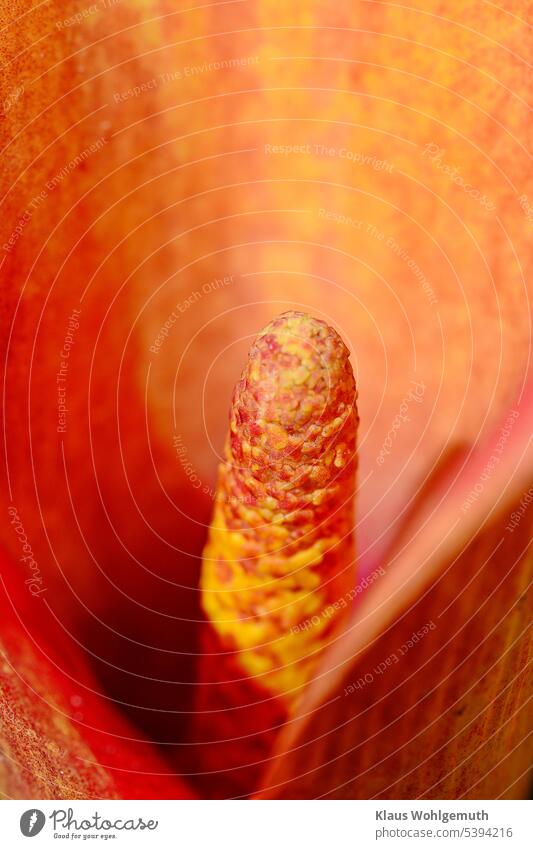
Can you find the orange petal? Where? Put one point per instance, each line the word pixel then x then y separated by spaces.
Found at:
pixel 184 195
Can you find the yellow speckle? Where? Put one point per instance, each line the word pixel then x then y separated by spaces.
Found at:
pixel 277 437
pixel 300 376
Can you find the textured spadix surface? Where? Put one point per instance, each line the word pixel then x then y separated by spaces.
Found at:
pixel 279 565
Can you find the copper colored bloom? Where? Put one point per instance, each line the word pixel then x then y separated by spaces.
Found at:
pixel 174 179
pixel 279 564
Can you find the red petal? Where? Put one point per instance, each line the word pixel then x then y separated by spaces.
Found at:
pixel 59 737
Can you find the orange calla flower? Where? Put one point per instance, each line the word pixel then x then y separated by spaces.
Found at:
pixel 176 179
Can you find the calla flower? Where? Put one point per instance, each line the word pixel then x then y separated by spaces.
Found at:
pixel 175 179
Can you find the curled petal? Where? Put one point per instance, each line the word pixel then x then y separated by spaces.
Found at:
pixel 427 692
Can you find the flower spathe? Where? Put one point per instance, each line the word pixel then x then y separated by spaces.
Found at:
pixel 305 177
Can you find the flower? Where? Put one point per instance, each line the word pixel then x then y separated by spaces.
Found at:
pixel 177 179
